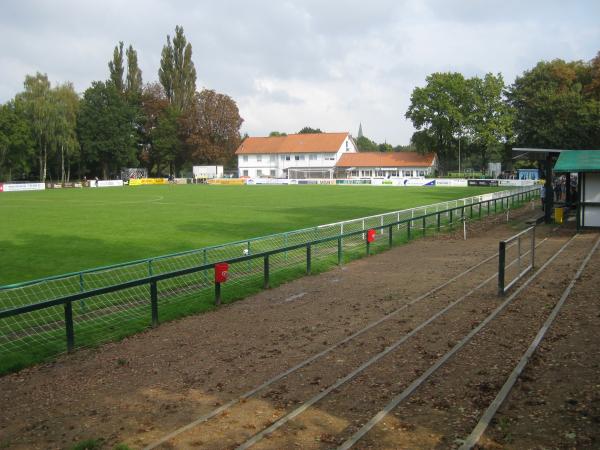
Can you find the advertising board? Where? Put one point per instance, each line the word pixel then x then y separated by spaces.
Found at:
pixel 19 187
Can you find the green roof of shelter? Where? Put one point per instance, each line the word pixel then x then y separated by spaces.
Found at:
pixel 578 161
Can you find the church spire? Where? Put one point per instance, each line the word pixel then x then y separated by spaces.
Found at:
pixel 360 133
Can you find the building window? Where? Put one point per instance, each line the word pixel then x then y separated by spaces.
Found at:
pixel 408 173
pixel 299 157
pixel 245 173
pixel 245 158
pixel 287 157
pixel 273 158
pixel 258 172
pixel 273 172
pixel 258 158
pixel 367 173
pixel 421 173
pixel 329 157
pixel 312 157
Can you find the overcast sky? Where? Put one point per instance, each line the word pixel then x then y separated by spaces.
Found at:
pixel 290 64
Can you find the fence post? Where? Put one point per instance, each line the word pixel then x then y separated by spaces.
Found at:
pixel 424 224
pixel 340 256
pixel 154 302
pixel 438 222
pixel 408 226
pixel 451 214
pixel 308 259
pixel 204 259
pixel 69 326
pixel 149 267
pixel 266 272
pixel 533 248
pixel 390 235
pixel 501 263
pixel 82 289
pixel 217 293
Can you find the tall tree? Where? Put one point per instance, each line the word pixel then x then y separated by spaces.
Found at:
pixel 17 146
pixel 154 104
pixel 66 145
pixel 106 128
pixel 116 68
pixel 177 73
pixel 213 128
pixel 133 87
pixel 439 111
pixel 489 124
pixel 39 109
pixel 554 106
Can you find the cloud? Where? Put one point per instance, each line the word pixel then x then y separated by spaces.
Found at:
pixel 290 64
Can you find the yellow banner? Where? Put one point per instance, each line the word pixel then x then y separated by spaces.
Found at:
pixel 144 181
pixel 230 181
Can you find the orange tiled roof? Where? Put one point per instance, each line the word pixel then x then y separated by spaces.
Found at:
pixel 293 143
pixel 379 159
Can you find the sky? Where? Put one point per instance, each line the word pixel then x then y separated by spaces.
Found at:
pixel 328 64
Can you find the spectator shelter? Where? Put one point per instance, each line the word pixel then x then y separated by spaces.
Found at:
pixel 586 163
pixel 545 158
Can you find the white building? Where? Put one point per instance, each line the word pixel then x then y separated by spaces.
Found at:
pixel 294 155
pixel 386 165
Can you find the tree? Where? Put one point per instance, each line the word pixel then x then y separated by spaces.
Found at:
pixel 177 73
pixel 554 106
pixel 17 146
pixel 489 124
pixel 277 134
pixel 133 87
pixel 213 128
pixel 364 144
pixel 40 113
pixel 116 69
pixel 439 111
pixel 66 106
pixel 106 128
pixel 309 130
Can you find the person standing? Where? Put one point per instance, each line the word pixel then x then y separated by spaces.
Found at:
pixel 543 196
pixel 557 191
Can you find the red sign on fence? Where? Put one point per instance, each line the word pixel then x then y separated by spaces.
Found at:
pixel 371 235
pixel 221 272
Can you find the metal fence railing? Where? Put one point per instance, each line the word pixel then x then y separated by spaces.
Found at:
pixel 519 250
pixel 105 303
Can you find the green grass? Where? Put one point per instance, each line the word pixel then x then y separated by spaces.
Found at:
pixel 38 336
pixel 57 231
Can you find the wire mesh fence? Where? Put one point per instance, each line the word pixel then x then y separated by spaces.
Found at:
pixel 111 302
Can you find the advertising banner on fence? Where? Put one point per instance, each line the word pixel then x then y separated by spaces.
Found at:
pixel 147 181
pixel 18 187
pixel 226 181
pixel 106 183
pixel 459 182
pixel 483 182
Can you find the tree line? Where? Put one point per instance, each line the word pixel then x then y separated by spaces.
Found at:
pixel 556 104
pixel 53 133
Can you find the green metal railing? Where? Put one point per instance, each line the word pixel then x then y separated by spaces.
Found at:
pixel 326 245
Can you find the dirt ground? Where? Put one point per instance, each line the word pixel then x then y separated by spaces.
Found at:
pixel 139 390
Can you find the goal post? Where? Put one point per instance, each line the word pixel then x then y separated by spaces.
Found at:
pixel 307 173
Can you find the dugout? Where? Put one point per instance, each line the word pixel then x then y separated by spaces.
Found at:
pixel 586 163
pixel 546 158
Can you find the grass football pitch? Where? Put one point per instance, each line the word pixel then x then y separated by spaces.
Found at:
pixel 57 231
